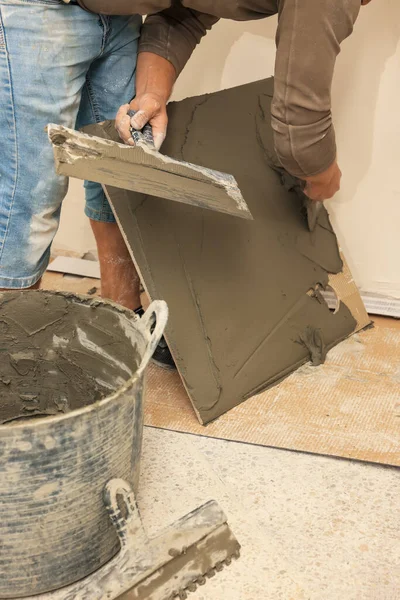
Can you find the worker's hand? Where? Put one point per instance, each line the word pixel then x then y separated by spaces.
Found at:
pixel 151 108
pixel 325 185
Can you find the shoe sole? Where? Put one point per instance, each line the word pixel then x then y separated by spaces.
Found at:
pixel 163 365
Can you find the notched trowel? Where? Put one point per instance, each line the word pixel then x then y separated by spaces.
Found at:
pixel 143 169
pixel 168 566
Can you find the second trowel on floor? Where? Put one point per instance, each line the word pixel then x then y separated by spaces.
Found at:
pixel 143 169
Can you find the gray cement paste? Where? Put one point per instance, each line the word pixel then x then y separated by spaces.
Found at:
pixel 241 313
pixel 57 354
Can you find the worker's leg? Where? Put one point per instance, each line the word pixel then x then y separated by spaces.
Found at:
pixel 119 279
pixel 111 82
pixel 46 49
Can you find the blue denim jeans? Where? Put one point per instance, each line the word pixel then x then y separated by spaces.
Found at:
pixel 58 64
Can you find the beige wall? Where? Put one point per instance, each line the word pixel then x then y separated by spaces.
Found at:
pixel 75 234
pixel 366 100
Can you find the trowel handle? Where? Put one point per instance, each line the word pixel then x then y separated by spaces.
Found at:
pixel 123 511
pixel 152 326
pixel 146 134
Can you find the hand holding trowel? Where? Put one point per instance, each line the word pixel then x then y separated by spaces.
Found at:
pixel 312 208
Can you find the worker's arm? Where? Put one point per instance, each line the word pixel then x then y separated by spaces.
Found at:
pixel 167 41
pixel 308 41
pixel 155 77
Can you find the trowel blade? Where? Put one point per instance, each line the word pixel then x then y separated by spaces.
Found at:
pixel 143 169
pixel 196 185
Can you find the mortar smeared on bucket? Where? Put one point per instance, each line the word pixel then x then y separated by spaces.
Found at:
pixel 54 358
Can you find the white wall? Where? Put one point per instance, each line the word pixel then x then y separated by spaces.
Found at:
pixel 366 104
pixel 366 101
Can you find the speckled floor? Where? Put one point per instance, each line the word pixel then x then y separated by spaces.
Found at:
pixel 311 528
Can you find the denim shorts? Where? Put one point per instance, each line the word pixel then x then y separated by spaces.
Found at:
pixel 58 64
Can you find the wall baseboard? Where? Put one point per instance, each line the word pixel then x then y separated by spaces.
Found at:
pixel 375 304
pixel 385 306
pixel 75 266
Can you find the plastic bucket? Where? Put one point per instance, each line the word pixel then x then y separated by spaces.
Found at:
pixel 71 414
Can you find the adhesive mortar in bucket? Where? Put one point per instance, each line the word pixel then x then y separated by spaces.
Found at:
pixel 56 357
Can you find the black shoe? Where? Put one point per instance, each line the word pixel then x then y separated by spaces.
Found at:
pixel 162 355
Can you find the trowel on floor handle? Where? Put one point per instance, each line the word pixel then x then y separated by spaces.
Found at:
pixel 167 567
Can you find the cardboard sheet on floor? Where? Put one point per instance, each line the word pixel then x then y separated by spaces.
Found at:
pixel 348 407
pixel 245 310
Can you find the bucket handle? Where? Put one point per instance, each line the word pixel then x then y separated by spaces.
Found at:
pixel 152 326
